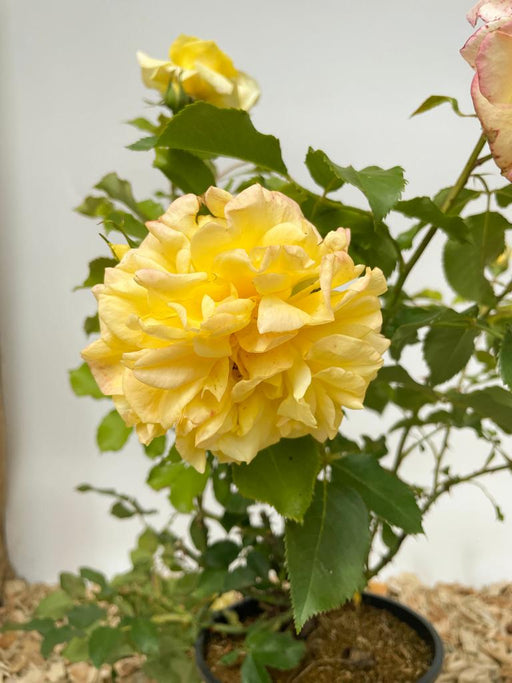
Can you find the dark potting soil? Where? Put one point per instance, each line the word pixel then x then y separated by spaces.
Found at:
pixel 357 644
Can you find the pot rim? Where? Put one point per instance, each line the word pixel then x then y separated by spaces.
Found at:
pixel 416 621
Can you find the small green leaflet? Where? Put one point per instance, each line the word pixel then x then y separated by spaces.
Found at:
pixel 322 170
pixel 112 432
pixel 83 383
pixel 436 100
pixel 96 272
pixel 381 187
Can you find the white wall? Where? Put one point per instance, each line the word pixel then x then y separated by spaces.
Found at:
pixel 338 75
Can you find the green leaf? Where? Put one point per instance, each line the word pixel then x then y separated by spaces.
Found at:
pixel 82 616
pixel 94 576
pixel 118 189
pixel 103 643
pixel 328 550
pixel 492 402
pixel 96 272
pixel 54 637
pixel 381 187
pixel 185 170
pixel 258 563
pixel 230 658
pixel 282 475
pixel 144 144
pixel 462 200
pixel 504 196
pixel 201 127
pixel 407 393
pixel 150 209
pixel 121 511
pixel 92 324
pixel 464 264
pixel 389 537
pixel 187 486
pixel 143 124
pixel 95 207
pixel 185 482
pixel 382 491
pixel 426 211
pixel 239 578
pixel 83 383
pixel 411 319
pixel 126 224
pixel 72 584
pixel 112 432
pixel 221 478
pixel 436 100
pixel 156 447
pixel 199 533
pixel 77 650
pixel 145 636
pixel 149 540
pixel 322 170
pixel 221 554
pixel 278 650
pixel 42 626
pixel 177 667
pixel 505 358
pixel 366 245
pixel 449 345
pixel 253 671
pixel 55 606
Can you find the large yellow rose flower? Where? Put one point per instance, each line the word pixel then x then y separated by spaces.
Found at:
pixel 236 324
pixel 204 71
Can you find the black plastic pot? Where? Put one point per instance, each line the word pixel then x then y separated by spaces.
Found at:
pixel 248 608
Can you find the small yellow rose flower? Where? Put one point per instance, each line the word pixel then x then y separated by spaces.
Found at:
pixel 237 327
pixel 204 72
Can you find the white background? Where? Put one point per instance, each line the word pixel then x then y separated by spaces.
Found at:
pixel 340 76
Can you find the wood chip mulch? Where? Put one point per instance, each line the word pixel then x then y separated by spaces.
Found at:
pixel 475 625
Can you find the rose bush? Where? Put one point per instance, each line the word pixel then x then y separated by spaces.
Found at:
pixel 203 71
pixel 237 328
pixel 489 52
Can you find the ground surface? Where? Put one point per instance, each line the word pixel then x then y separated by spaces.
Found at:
pixel 476 627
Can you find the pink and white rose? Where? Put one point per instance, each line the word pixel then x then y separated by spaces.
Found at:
pixel 489 52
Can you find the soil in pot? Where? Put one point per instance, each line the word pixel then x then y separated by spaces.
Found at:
pixel 360 645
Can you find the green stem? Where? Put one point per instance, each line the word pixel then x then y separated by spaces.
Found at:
pixel 445 207
pixel 499 298
pixel 400 451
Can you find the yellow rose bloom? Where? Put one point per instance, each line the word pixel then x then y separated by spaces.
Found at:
pixel 204 71
pixel 237 325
